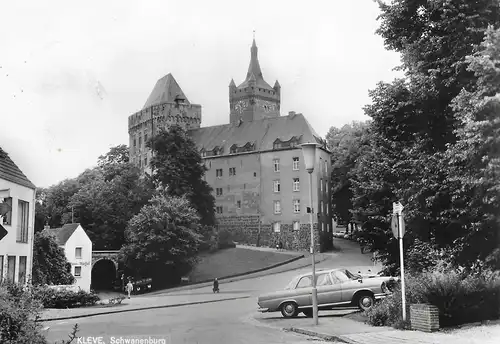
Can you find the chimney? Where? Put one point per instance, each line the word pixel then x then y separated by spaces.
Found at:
pixel 291 113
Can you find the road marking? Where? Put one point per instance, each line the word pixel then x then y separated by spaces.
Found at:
pixel 62 322
pixel 46 328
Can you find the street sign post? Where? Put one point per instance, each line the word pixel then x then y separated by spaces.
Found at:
pixel 398 229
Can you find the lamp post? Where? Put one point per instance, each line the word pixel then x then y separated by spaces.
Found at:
pixel 309 152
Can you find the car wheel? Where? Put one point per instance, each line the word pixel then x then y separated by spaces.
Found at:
pixel 365 301
pixel 308 312
pixel 289 310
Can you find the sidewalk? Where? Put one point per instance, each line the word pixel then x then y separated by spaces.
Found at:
pixel 350 331
pixel 137 303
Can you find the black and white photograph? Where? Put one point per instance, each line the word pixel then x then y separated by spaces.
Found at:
pixel 262 172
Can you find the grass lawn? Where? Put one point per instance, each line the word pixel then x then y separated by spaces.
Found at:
pixel 233 261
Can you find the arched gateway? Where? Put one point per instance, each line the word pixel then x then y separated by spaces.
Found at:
pixel 104 269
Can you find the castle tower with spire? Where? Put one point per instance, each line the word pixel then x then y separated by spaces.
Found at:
pixel 254 99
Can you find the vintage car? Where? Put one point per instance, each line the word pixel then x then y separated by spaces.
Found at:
pixel 335 287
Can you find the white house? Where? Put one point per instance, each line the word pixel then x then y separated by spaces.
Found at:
pixel 17 221
pixel 78 250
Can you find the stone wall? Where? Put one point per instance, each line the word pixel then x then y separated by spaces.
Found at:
pixel 245 230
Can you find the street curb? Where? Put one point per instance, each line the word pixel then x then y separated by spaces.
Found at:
pixel 142 308
pixel 206 283
pixel 330 338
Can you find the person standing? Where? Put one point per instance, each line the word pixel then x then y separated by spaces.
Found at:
pixel 216 286
pixel 130 287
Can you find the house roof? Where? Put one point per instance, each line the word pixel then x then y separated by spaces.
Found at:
pixel 64 233
pixel 9 171
pixel 165 90
pixel 254 73
pixel 263 133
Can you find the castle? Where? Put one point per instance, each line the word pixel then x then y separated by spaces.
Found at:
pixel 255 165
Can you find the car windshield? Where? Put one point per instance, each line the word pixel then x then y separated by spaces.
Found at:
pixel 351 275
pixel 292 284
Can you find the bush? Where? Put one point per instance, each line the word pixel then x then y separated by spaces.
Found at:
pixel 225 239
pixel 460 298
pixel 18 314
pixel 52 298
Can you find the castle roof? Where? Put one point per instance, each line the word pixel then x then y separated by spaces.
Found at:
pixel 254 73
pixel 9 171
pixel 165 90
pixel 263 133
pixel 64 233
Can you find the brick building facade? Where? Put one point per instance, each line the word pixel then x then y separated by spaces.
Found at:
pixel 255 165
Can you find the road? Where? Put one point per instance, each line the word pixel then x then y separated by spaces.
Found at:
pixel 221 322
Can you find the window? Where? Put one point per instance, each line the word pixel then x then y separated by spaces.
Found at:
pixel 1 268
pixel 326 186
pixel 321 184
pixel 78 252
pixel 145 138
pixel 296 184
pixel 11 268
pixel 7 219
pixel 255 174
pixel 218 210
pixel 22 221
pixel 22 269
pixel 327 228
pixel 295 165
pixel 232 171
pixel 140 141
pixel 277 207
pixel 146 161
pixel 276 186
pixel 305 282
pixel 276 163
pixel 323 279
pixel 326 166
pixel 233 149
pixel 296 206
pixel 342 277
pixel 326 208
pixel 238 204
pixel 78 271
pixel 218 173
pixel 296 225
pixel 276 227
pixel 321 208
pixel 322 227
pixel 218 191
pixel 135 143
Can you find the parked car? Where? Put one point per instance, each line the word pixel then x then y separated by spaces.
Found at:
pixel 335 287
pixel 141 285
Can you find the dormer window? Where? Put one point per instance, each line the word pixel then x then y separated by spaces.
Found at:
pixel 233 149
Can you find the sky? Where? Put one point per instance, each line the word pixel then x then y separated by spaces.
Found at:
pixel 71 72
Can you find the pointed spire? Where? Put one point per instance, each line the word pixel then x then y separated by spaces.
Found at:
pixel 254 66
pixel 277 85
pixel 232 84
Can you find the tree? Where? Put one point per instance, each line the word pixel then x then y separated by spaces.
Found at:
pixel 178 167
pixel 50 265
pixel 475 159
pixel 413 122
pixel 346 145
pixel 102 199
pixel 163 239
